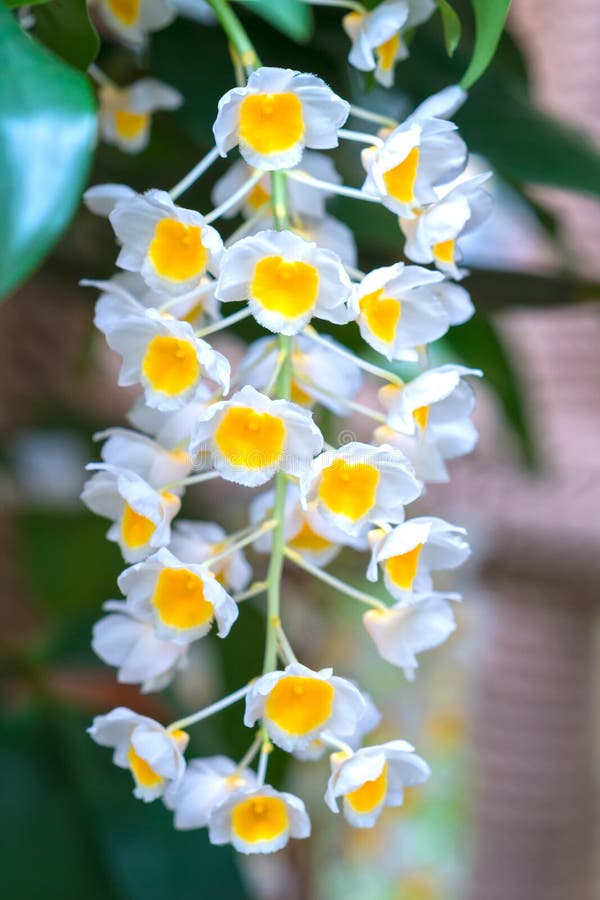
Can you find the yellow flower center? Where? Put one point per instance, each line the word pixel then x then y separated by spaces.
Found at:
pixel 307 539
pixel 128 124
pixel 271 123
pixel 444 251
pixel 179 599
pixel 126 11
pixel 170 365
pixel 400 181
pixel 348 488
pixel 259 819
pixel 249 438
pixel 381 314
pixel 136 530
pixel 370 794
pixel 257 197
pixel 299 395
pixel 421 417
pixel 177 251
pixel 299 705
pixel 285 286
pixel 386 52
pixel 419 887
pixel 403 568
pixel 142 772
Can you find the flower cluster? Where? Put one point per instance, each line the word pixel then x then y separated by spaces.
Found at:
pixel 290 266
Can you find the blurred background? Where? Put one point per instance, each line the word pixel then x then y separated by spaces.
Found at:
pixel 504 711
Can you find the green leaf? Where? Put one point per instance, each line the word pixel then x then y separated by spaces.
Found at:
pixel 490 16
pixel 65 27
pixel 14 4
pixel 524 144
pixel 292 17
pixel 498 289
pixel 47 136
pixel 47 543
pixel 479 345
pixel 451 25
pixel 93 839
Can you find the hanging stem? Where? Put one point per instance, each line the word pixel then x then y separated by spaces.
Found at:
pixel 340 4
pixel 384 374
pixel 191 479
pixel 368 115
pixel 263 759
pixel 194 174
pixel 361 137
pixel 281 389
pixel 236 33
pixel 254 590
pixel 250 753
pixel 335 743
pixel 243 542
pixel 345 401
pixel 285 647
pixel 333 581
pixel 341 189
pixel 100 77
pixel 224 323
pixel 241 193
pixel 210 710
pixel 250 61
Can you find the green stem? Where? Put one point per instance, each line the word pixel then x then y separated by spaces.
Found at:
pixel 236 34
pixel 282 390
pixel 243 47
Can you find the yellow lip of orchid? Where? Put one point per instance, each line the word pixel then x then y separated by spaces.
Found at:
pixel 276 115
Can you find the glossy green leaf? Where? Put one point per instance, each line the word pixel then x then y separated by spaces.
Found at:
pixel 47 136
pixel 451 25
pixel 490 16
pixel 65 27
pixel 292 17
pixel 478 344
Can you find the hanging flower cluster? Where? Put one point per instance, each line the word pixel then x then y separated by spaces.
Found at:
pixel 290 266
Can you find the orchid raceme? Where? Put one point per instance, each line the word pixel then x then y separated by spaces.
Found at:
pixel 207 412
